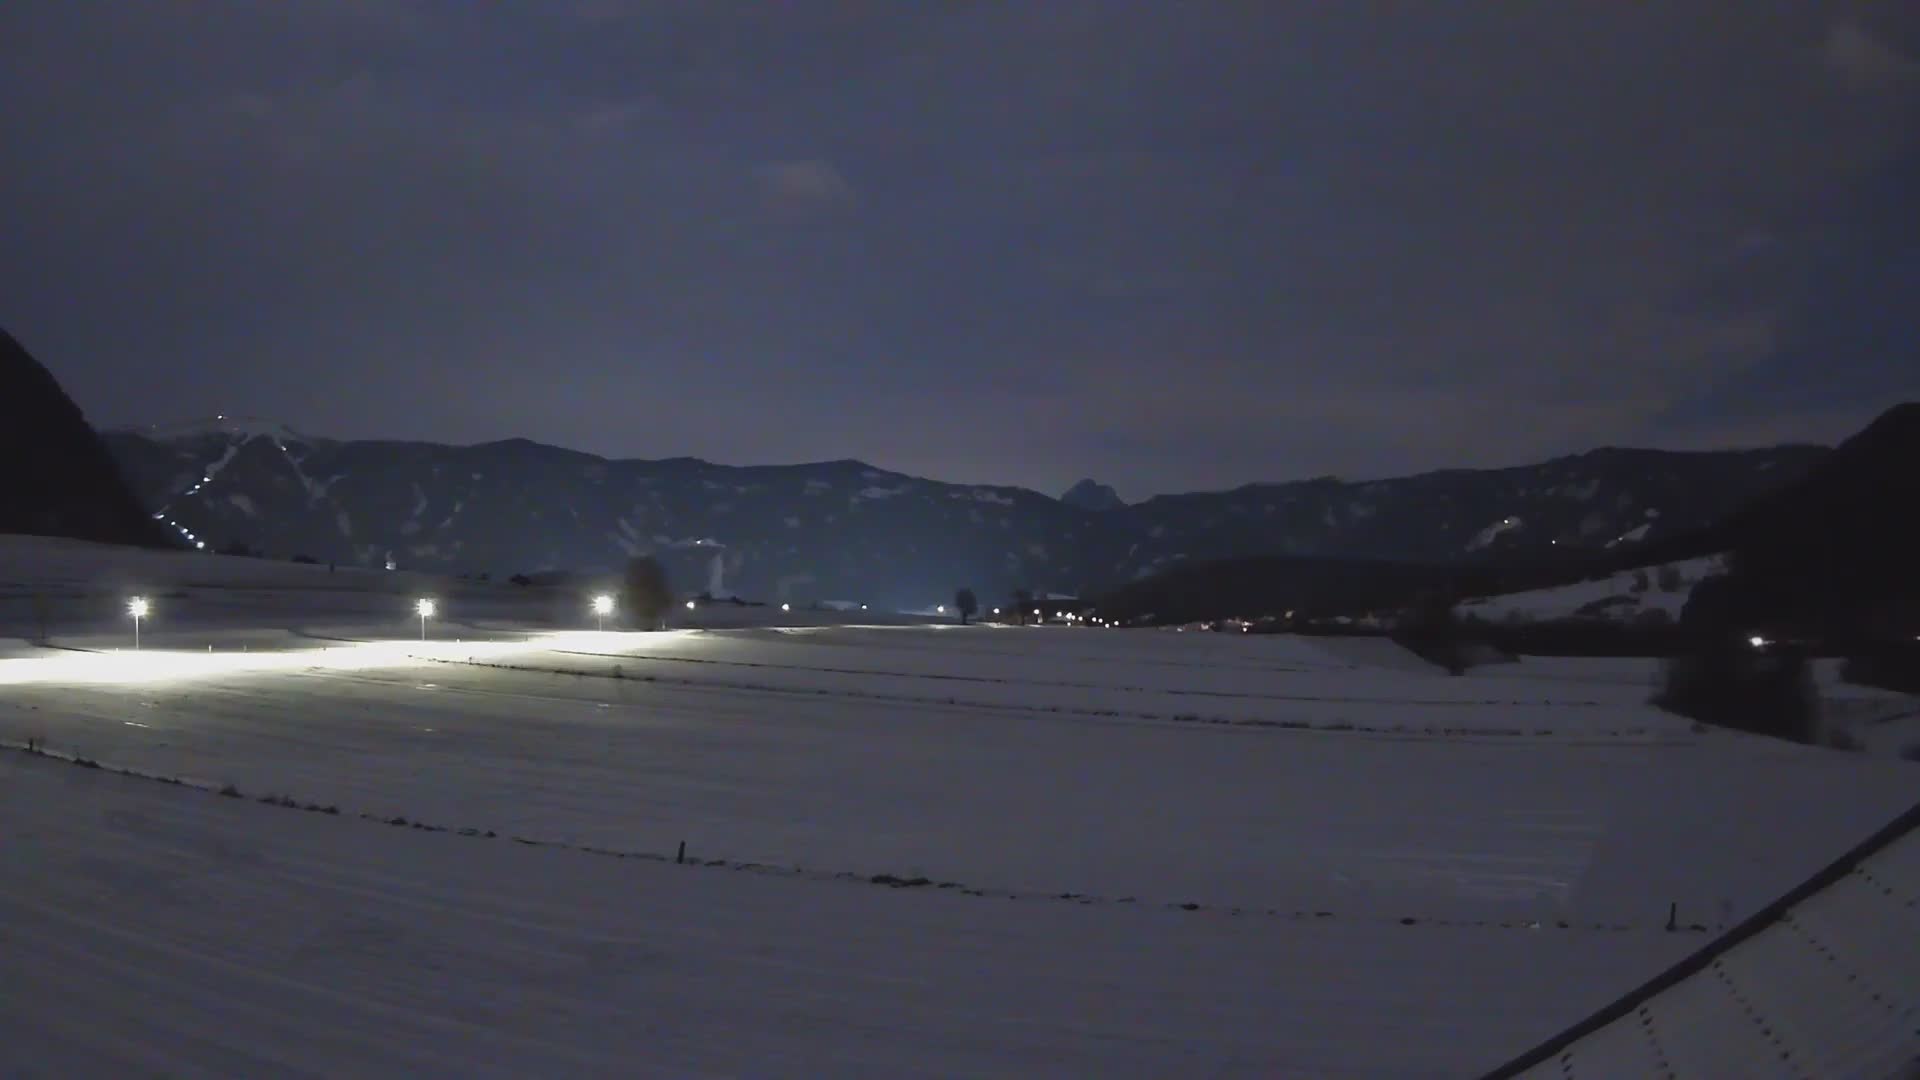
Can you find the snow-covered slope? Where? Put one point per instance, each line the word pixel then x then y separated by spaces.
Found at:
pixel 1653 594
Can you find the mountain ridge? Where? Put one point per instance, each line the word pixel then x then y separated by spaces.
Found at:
pixel 848 529
pixel 170 432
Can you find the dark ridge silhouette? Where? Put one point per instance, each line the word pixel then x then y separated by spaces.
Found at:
pixel 56 477
pixel 1831 555
pixel 1089 495
pixel 1836 553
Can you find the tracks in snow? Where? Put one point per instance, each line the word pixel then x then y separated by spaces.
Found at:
pixel 1605 736
pixel 915 882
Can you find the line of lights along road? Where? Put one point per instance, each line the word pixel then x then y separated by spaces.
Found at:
pixel 425 608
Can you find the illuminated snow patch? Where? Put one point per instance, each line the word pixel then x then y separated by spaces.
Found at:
pixel 161 665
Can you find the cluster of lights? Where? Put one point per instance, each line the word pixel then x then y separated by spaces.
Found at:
pixel 182 530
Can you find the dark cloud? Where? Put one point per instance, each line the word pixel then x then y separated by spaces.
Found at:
pixel 1168 245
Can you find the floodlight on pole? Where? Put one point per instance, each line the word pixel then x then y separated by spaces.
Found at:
pixel 424 608
pixel 603 607
pixel 137 607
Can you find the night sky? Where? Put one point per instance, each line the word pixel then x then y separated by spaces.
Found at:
pixel 1170 245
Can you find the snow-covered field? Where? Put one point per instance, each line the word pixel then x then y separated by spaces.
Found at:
pixel 1655 591
pixel 911 850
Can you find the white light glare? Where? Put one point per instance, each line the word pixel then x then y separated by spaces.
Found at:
pixel 689 605
pixel 1757 641
pixel 423 608
pixel 786 607
pixel 137 607
pixel 603 605
pixel 940 610
pixel 69 668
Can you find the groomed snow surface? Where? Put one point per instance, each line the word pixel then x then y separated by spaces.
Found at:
pixel 910 850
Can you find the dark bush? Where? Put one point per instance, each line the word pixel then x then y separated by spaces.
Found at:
pixel 1431 630
pixel 1727 682
pixel 645 594
pixel 1889 666
pixel 966 604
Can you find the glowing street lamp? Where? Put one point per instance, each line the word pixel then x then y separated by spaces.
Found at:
pixel 689 605
pixel 940 610
pixel 137 607
pixel 786 607
pixel 602 607
pixel 424 608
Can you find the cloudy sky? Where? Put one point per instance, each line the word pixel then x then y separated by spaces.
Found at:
pixel 1168 245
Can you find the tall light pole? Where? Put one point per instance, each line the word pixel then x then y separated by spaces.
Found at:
pixel 602 607
pixel 137 607
pixel 423 608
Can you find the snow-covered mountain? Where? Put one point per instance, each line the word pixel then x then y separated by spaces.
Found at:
pixel 847 529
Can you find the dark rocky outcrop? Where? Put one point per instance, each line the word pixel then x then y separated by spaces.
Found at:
pixel 56 476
